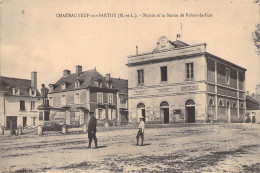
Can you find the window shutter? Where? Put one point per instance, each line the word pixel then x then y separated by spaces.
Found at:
pixel 113 114
pixel 97 114
pixel 103 114
pixel 109 114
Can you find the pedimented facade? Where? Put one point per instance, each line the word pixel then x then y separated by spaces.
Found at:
pixel 178 82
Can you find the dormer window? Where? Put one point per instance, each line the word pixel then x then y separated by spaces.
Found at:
pixel 96 83
pixel 107 85
pixel 63 86
pixel 77 84
pixel 110 86
pixel 32 93
pixel 16 91
pixel 100 84
pixel 51 88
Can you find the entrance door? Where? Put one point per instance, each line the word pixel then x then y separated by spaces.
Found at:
pixel 11 121
pixel 141 111
pixel 143 114
pixel 24 121
pixel 190 111
pixel 166 115
pixel 33 121
pixel 165 112
pixel 190 114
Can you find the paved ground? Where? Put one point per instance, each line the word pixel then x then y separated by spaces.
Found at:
pixel 187 148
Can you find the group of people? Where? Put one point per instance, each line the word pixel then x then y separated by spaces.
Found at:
pixel 92 129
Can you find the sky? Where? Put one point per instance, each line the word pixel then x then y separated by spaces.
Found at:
pixel 33 38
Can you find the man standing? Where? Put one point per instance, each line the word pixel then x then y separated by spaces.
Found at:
pixel 140 132
pixel 92 130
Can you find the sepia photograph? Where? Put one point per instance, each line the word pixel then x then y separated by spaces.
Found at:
pixel 130 86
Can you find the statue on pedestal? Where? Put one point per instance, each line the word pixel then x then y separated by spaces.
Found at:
pixel 44 92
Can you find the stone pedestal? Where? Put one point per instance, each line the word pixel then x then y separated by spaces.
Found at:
pixel 44 115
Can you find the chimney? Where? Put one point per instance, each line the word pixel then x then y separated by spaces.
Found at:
pixel 247 93
pixel 78 70
pixel 34 79
pixel 108 76
pixel 66 73
pixel 136 50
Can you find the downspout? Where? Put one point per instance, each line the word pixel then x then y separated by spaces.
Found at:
pixel 4 113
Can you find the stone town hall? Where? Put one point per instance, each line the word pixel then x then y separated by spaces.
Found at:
pixel 177 82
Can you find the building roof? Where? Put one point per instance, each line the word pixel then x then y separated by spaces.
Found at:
pixel 7 84
pixel 252 104
pixel 120 84
pixel 87 79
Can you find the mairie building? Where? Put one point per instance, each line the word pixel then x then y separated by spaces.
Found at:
pixel 177 82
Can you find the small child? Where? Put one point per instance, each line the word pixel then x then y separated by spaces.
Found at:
pixel 140 132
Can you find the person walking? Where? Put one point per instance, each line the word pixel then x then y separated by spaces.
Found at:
pixel 140 132
pixel 92 129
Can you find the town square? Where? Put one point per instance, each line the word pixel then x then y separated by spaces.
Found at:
pixel 113 86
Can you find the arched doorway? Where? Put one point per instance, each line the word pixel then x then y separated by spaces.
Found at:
pixel 141 111
pixel 190 111
pixel 165 112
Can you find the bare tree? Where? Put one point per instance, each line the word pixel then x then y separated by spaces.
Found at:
pixel 256 38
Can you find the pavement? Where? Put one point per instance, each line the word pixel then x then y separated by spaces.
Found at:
pixel 172 148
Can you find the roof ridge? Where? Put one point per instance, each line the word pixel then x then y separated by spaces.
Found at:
pixel 15 78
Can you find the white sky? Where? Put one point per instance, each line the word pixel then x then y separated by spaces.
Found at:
pixel 34 39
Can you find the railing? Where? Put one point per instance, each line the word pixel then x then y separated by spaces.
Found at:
pixel 194 49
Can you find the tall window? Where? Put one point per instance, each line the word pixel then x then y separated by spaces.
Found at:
pixel 140 76
pixel 33 121
pixel 77 98
pixel 110 98
pixel 63 99
pixel 101 113
pixel 41 116
pixel 32 105
pixel 46 116
pixel 22 105
pixel 189 71
pixel 111 114
pixel 164 73
pixel 100 97
pixel 227 76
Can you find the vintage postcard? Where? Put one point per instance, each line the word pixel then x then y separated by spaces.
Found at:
pixel 129 86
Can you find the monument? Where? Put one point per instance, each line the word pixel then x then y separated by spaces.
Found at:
pixel 44 108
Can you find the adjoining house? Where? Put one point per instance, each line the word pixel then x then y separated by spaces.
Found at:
pixel 122 85
pixel 19 99
pixel 253 107
pixel 74 96
pixel 177 82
